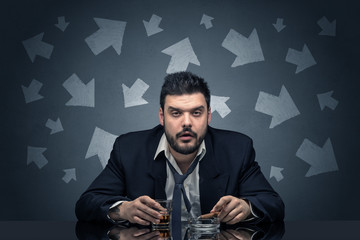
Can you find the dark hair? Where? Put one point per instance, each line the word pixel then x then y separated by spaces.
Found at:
pixel 180 83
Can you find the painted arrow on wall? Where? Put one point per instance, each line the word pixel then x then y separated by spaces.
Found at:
pixel 31 93
pixel 206 20
pixel 302 60
pixel 326 100
pixel 133 95
pixel 328 28
pixel 275 172
pixel 55 126
pixel 36 47
pixel 82 94
pixel 70 174
pixel 62 25
pixel 152 26
pixel 279 25
pixel 35 155
pixel 218 104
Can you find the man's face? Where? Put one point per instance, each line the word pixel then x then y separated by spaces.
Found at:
pixel 185 119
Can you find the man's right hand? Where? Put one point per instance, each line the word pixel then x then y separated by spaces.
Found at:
pixel 141 211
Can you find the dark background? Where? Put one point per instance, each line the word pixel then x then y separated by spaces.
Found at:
pixel 30 193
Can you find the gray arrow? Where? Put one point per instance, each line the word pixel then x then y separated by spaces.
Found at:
pixel 69 174
pixel 101 145
pixel 281 108
pixel 181 54
pixel 54 126
pixel 31 93
pixel 110 34
pixel 35 154
pixel 36 47
pixel 62 25
pixel 279 24
pixel 82 95
pixel 276 173
pixel 219 104
pixel 152 26
pixel 322 160
pixel 133 95
pixel 325 100
pixel 328 28
pixel 247 50
pixel 302 60
pixel 206 20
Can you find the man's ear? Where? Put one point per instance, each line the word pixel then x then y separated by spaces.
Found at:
pixel 161 116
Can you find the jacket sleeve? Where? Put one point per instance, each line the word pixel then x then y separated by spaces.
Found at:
pixel 105 190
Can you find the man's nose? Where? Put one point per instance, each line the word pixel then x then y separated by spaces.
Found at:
pixel 187 120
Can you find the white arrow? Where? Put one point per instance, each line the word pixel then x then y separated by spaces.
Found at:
pixel 82 94
pixel 206 20
pixel 36 47
pixel 328 28
pixel 152 26
pixel 281 108
pixel 181 54
pixel 31 93
pixel 322 160
pixel 279 24
pixel 276 173
pixel 54 126
pixel 325 100
pixel 69 174
pixel 110 34
pixel 35 154
pixel 133 95
pixel 62 25
pixel 247 50
pixel 101 145
pixel 302 60
pixel 218 104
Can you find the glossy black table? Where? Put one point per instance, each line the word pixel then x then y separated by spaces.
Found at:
pixel 73 230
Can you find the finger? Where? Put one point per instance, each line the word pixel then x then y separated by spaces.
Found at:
pixel 227 235
pixel 140 221
pixel 220 204
pixel 140 232
pixel 152 203
pixel 150 235
pixel 230 211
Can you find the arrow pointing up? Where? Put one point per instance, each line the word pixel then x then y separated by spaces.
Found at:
pixel 54 126
pixel 302 60
pixel 328 29
pixel 35 154
pixel 152 26
pixel 281 108
pixel 110 34
pixel 325 100
pixel 279 24
pixel 62 25
pixel 133 95
pixel 181 54
pixel 31 93
pixel 322 160
pixel 36 47
pixel 219 104
pixel 247 50
pixel 82 95
pixel 276 173
pixel 206 20
pixel 101 145
pixel 69 174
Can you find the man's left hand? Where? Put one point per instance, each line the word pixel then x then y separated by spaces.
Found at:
pixel 232 209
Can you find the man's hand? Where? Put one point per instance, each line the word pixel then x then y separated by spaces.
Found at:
pixel 132 233
pixel 232 210
pixel 141 211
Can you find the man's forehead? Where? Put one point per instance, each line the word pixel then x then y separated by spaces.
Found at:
pixel 197 99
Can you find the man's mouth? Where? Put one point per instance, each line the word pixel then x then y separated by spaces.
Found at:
pixel 186 136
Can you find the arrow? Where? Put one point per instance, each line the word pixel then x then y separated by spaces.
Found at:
pixel 276 173
pixel 82 94
pixel 219 104
pixel 322 160
pixel 247 50
pixel 279 24
pixel 181 54
pixel 133 95
pixel 101 145
pixel 69 174
pixel 302 60
pixel 110 34
pixel 36 47
pixel 328 28
pixel 206 20
pixel 62 25
pixel 281 108
pixel 152 26
pixel 54 126
pixel 31 93
pixel 325 100
pixel 35 154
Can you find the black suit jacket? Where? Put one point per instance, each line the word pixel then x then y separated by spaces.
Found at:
pixel 228 168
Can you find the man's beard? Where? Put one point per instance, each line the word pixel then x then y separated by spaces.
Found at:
pixel 185 149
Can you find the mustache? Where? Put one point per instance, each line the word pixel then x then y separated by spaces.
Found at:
pixel 186 130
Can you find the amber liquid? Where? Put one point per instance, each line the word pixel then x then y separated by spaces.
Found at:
pixel 164 220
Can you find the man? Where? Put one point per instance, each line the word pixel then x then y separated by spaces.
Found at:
pixel 219 167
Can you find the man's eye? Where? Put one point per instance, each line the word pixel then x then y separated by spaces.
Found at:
pixel 175 114
pixel 197 113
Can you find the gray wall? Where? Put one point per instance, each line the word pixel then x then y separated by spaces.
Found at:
pixel 33 182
